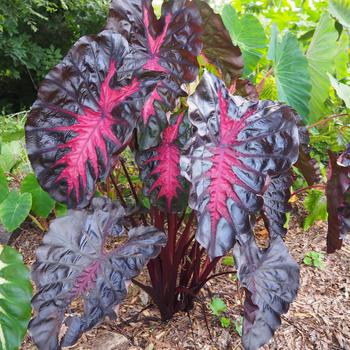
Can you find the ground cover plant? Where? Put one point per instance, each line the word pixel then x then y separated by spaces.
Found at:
pixel 181 95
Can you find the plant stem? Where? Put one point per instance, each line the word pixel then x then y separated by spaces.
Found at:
pixel 37 223
pixel 260 86
pixel 301 190
pixel 323 121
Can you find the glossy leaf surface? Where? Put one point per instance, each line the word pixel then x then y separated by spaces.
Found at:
pixel 271 279
pixel 81 119
pixel 167 46
pixel 16 292
pixel 276 204
pixel 73 262
pixel 160 169
pixel 236 146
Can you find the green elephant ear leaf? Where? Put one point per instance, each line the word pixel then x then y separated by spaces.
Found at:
pixel 321 58
pixel 42 203
pixel 340 9
pixel 14 209
pixel 342 56
pixel 16 294
pixel 342 90
pixel 291 71
pixel 252 42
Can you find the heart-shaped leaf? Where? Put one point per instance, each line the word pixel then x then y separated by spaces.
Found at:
pixel 4 189
pixel 83 116
pixel 14 209
pixel 16 293
pixel 236 146
pixel 73 262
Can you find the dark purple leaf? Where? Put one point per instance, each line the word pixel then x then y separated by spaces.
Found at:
pixel 84 114
pixel 72 262
pixel 271 279
pixel 168 45
pixel 245 88
pixel 160 169
pixel 276 204
pixel 237 145
pixel 217 44
pixel 338 199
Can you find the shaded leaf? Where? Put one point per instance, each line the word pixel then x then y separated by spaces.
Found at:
pixel 342 56
pixel 271 279
pixel 42 203
pixel 73 262
pixel 236 146
pixel 16 293
pixel 218 46
pixel 15 209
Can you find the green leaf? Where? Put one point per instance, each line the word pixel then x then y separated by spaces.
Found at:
pixel 225 322
pixel 42 203
pixel 316 205
pixel 4 189
pixel 60 209
pixel 10 155
pixel 16 294
pixel 247 33
pixel 239 326
pixel 342 56
pixel 340 9
pixel 291 73
pixel 342 90
pixel 218 306
pixel 321 58
pixel 14 209
pixel 228 261
pixel 314 259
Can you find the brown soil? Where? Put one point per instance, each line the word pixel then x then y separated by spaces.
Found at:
pixel 319 319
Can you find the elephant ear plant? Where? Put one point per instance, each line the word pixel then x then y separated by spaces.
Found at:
pixel 210 164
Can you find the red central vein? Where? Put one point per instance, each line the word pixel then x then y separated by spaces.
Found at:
pixel 86 278
pixel 154 44
pixel 168 166
pixel 224 159
pixel 92 128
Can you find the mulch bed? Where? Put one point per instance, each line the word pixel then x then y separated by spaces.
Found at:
pixel 318 320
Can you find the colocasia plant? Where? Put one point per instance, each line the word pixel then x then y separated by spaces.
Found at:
pixel 210 164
